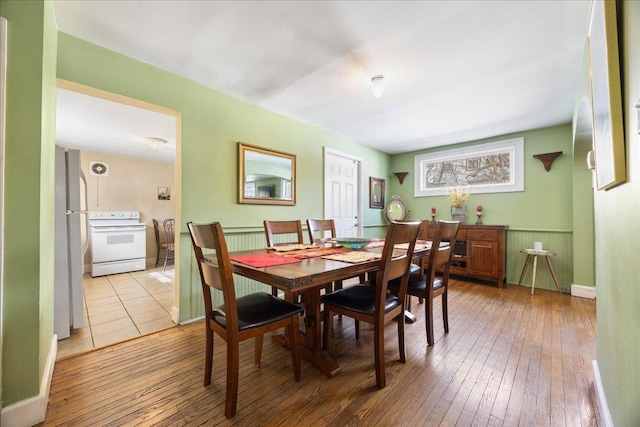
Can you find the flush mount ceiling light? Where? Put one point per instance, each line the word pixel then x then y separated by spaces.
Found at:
pixel 377 87
pixel 156 143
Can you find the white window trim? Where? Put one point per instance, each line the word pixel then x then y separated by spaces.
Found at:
pixel 514 146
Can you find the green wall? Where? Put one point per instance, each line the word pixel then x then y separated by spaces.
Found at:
pixel 545 202
pixel 542 212
pixel 618 251
pixel 28 264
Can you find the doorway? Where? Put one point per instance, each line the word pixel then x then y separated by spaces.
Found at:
pixel 342 195
pixel 140 176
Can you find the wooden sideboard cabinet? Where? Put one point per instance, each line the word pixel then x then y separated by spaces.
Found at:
pixel 480 251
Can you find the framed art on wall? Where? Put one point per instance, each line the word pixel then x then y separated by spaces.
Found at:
pixel 606 96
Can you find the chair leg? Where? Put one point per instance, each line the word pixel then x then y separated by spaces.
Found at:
pixel 378 348
pixel 403 357
pixel 428 319
pixel 157 257
pixel 445 312
pixel 357 329
pixel 208 356
pixel 233 372
pixel 166 258
pixel 294 332
pixel 258 350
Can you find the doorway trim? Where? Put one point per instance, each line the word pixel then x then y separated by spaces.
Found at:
pixel 331 152
pixel 177 194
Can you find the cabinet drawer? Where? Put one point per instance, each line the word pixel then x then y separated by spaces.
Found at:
pixel 488 235
pixel 462 234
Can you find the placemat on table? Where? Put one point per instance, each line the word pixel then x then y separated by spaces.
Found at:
pixel 419 246
pixel 264 260
pixel 353 257
pixel 314 253
pixel 291 247
pixel 376 244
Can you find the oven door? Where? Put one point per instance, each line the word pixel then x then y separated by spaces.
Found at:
pixel 117 243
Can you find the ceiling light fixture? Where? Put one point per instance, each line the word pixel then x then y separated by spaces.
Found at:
pixel 156 143
pixel 377 87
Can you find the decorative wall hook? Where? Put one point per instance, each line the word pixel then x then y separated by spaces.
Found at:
pixel 547 159
pixel 401 176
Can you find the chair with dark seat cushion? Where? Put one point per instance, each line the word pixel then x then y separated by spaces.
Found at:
pixel 439 260
pixel 292 230
pixel 373 304
pixel 319 231
pixel 238 319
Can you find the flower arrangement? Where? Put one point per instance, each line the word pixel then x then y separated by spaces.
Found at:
pixel 479 208
pixel 458 196
pixel 433 210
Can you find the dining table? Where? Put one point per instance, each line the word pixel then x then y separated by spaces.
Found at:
pixel 307 270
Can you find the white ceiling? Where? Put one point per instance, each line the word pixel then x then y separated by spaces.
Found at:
pixel 455 70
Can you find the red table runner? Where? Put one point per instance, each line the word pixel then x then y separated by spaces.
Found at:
pixel 264 260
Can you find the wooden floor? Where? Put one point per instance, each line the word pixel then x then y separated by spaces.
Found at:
pixel 510 359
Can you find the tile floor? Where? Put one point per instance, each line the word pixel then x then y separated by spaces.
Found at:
pixel 122 306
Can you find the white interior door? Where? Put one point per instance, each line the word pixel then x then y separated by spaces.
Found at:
pixel 342 192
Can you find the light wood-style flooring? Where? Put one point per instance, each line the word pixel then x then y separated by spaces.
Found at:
pixel 511 358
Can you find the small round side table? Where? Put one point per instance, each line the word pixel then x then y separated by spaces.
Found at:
pixel 532 253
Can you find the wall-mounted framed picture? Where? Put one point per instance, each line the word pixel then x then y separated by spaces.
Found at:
pixel 164 193
pixel 606 96
pixel 493 167
pixel 376 193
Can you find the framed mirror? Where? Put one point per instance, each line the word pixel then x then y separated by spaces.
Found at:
pixel 266 177
pixel 376 193
pixel 395 210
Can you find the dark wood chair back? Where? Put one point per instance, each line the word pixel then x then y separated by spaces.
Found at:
pixel 272 228
pixel 317 226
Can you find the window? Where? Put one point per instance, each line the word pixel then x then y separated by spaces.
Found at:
pixel 488 168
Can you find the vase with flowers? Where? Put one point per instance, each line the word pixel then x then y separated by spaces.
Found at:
pixel 479 210
pixel 458 197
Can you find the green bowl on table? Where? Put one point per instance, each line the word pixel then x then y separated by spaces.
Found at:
pixel 353 242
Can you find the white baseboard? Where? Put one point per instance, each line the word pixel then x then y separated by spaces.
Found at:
pixel 583 291
pixel 32 411
pixel 602 399
pixel 175 314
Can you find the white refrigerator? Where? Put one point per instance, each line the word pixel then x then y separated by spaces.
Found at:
pixel 70 242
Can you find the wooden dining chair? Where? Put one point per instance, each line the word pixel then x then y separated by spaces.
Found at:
pixel 373 304
pixel 238 319
pixel 160 245
pixel 321 230
pixel 292 230
pixel 425 284
pixel 169 226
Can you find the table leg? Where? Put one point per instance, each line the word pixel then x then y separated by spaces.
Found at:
pixel 524 269
pixel 535 267
pixel 312 344
pixel 311 338
pixel 553 274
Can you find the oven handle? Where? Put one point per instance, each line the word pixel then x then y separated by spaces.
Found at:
pixel 119 229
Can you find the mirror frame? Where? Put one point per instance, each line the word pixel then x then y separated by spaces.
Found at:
pixel 374 202
pixel 395 199
pixel 242 150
